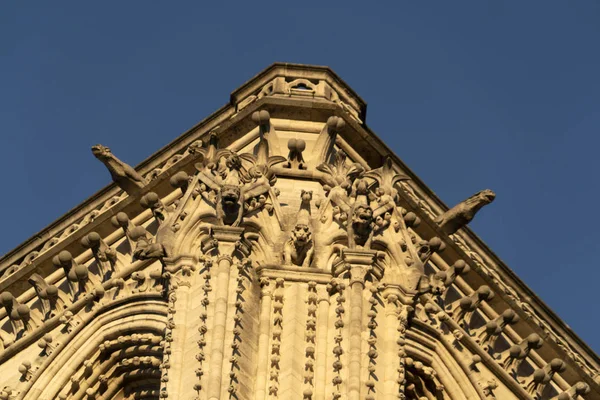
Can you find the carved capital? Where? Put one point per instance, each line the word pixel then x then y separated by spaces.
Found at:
pixel 358 274
pixel 226 234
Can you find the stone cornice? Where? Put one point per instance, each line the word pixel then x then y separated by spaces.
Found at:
pixel 295 274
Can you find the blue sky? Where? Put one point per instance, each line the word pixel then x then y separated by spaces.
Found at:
pixel 470 94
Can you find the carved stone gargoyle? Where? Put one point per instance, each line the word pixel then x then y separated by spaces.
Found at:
pixel 126 177
pixel 238 190
pixel 299 248
pixel 461 214
pixel 146 247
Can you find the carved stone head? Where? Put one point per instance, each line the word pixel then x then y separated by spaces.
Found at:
pixel 363 216
pixel 301 233
pixel 101 152
pixel 306 195
pixel 230 195
pixel 482 197
pixel 362 224
pixel 233 161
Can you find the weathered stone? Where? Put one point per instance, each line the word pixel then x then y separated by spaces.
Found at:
pixel 218 283
pixel 122 174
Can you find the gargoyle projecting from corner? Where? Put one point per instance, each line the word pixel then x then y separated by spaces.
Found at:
pixel 462 213
pixel 122 174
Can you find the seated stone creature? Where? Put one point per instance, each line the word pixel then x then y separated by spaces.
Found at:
pixel 298 249
pixel 229 209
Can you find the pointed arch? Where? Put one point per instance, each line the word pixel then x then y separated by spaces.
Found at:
pixel 434 371
pixel 117 353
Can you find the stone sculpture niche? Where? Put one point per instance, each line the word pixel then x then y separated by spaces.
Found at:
pixel 299 248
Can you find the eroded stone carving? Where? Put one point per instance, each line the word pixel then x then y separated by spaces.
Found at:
pixel 366 215
pixel 579 389
pixel 542 377
pixel 229 207
pixel 145 246
pixel 295 158
pixel 106 257
pixel 53 301
pixel 210 156
pixel 324 146
pixel 299 249
pixel 126 177
pixel 232 188
pixel 349 200
pixel 462 213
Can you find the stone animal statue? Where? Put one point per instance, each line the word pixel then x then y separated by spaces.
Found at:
pixel 145 247
pixel 229 205
pixel 361 221
pixel 299 248
pixel 122 174
pixel 462 213
pixel 360 227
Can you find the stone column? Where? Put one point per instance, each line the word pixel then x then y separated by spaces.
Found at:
pixel 390 347
pixel 321 350
pixel 357 285
pixel 223 269
pixel 227 237
pixel 358 263
pixel 263 338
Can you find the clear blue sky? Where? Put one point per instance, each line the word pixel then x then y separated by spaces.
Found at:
pixel 470 94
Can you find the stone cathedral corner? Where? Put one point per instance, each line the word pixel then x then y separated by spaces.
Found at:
pixel 277 250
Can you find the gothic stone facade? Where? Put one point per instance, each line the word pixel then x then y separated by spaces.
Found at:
pixel 277 250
